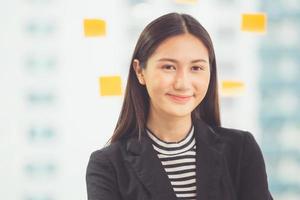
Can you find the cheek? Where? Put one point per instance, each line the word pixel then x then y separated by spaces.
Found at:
pixel 160 83
pixel 201 85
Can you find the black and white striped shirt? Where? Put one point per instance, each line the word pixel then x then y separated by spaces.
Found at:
pixel 179 162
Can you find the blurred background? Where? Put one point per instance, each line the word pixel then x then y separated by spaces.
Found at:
pixel 63 70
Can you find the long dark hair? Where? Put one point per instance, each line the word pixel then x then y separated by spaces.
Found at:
pixel 134 112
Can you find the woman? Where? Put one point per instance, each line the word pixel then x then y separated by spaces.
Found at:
pixel 168 142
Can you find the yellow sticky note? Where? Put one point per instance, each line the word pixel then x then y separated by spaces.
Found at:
pixel 94 27
pixel 254 22
pixel 110 85
pixel 186 1
pixel 232 88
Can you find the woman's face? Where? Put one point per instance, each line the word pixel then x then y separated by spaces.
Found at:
pixel 176 76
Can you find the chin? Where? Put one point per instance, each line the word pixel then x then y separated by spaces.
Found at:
pixel 179 113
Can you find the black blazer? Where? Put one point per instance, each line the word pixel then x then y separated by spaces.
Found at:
pixel 229 166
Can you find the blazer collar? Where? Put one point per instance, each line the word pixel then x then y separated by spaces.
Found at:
pixel 142 157
pixel 208 161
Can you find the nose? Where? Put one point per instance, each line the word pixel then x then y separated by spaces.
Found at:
pixel 181 81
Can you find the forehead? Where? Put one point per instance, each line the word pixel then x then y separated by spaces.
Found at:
pixel 184 46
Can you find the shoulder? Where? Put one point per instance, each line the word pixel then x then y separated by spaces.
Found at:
pixel 234 136
pixel 240 145
pixel 245 163
pixel 237 143
pixel 101 175
pixel 103 162
pixel 107 153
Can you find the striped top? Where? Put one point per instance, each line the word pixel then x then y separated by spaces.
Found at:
pixel 179 162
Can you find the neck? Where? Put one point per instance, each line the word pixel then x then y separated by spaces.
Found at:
pixel 169 129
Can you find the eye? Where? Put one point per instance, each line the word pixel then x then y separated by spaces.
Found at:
pixel 169 67
pixel 197 68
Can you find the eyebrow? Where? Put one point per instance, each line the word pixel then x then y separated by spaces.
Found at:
pixel 175 61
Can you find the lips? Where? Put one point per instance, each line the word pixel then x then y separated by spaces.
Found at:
pixel 179 98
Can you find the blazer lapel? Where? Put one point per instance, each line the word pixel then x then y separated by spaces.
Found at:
pixel 149 169
pixel 208 162
pixel 146 164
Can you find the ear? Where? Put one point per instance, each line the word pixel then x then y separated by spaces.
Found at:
pixel 138 71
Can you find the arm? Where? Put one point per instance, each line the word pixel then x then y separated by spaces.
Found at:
pixel 254 184
pixel 100 178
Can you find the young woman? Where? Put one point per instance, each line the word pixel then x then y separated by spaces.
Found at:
pixel 168 142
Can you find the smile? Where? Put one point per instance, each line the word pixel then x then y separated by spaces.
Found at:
pixel 179 99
